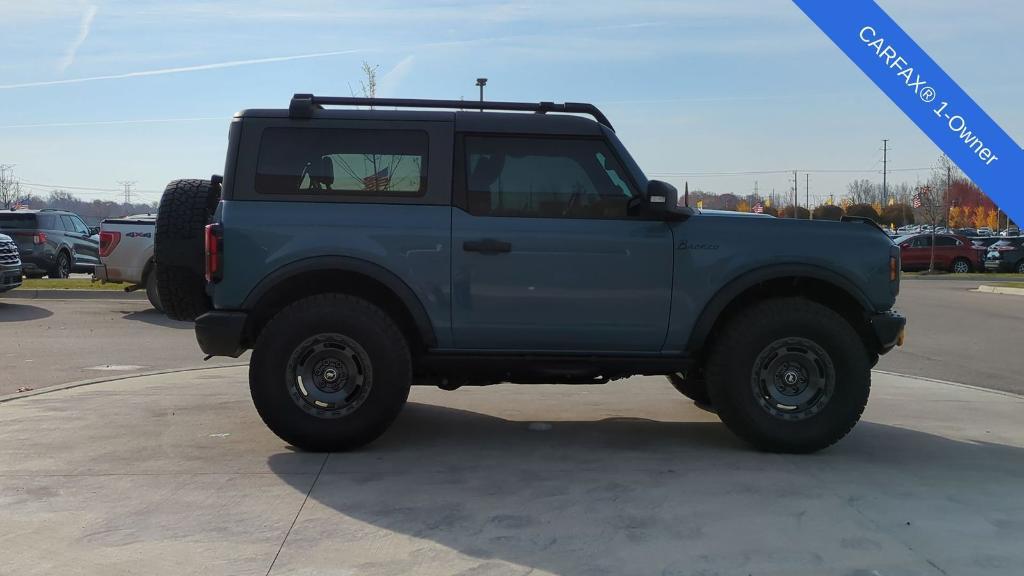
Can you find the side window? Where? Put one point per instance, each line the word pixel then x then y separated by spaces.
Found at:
pixel 68 225
pixel 338 161
pixel 80 226
pixel 945 241
pixel 923 242
pixel 545 178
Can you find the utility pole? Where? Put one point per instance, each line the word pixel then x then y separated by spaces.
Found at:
pixel 885 170
pixel 807 194
pixel 127 192
pixel 796 198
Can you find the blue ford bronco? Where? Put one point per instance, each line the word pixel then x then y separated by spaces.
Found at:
pixel 385 243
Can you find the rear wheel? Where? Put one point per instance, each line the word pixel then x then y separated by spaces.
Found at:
pixel 961 265
pixel 330 373
pixel 62 267
pixel 185 209
pixel 789 375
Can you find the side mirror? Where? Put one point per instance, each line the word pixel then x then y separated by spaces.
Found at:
pixel 94 230
pixel 663 198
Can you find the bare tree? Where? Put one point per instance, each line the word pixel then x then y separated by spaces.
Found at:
pixel 862 191
pixel 11 193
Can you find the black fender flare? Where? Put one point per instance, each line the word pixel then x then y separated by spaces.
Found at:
pixel 741 283
pixel 377 272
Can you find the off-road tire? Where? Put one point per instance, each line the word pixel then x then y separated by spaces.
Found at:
pixel 350 317
pixel 152 293
pixel 693 388
pixel 730 371
pixel 185 209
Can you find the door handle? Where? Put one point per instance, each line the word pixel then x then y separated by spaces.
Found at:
pixel 487 246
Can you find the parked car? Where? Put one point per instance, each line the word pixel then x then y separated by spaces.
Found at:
pixel 1010 232
pixel 52 242
pixel 1006 255
pixel 953 253
pixel 984 231
pixel 10 264
pixel 980 246
pixel 126 254
pixel 529 248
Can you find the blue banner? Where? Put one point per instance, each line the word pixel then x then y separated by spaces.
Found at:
pixel 915 83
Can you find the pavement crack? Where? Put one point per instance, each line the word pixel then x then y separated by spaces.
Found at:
pixel 296 518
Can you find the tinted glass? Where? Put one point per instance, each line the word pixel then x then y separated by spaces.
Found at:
pixel 945 241
pixel 68 224
pixel 17 221
pixel 341 161
pixel 545 178
pixel 80 226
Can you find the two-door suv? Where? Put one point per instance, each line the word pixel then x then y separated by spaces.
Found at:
pixel 361 251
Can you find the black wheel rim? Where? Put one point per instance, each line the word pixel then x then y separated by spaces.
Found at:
pixel 793 379
pixel 329 375
pixel 63 268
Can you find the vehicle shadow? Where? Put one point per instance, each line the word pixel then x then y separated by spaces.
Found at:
pixel 632 496
pixel 16 312
pixel 152 316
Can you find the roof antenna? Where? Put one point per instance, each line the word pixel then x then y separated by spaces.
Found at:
pixel 686 193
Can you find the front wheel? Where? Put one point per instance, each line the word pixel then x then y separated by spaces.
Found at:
pixel 789 375
pixel 330 373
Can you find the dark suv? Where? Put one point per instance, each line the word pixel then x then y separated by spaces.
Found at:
pixel 52 242
pixel 358 252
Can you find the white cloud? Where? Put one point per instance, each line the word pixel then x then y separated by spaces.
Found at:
pixel 83 32
pixel 180 69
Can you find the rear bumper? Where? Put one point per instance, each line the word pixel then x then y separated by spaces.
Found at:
pixel 99 272
pixel 220 333
pixel 888 328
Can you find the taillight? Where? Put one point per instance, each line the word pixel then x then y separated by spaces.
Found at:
pixel 108 241
pixel 212 241
pixel 39 238
pixel 894 268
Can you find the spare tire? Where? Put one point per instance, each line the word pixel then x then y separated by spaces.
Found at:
pixel 186 207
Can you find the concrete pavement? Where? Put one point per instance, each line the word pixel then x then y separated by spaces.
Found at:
pixel 175 474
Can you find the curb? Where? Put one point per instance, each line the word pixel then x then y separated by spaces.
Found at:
pixel 57 294
pixel 77 383
pixel 1000 290
pixel 1013 395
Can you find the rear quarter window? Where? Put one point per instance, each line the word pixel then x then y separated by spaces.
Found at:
pixel 17 221
pixel 342 162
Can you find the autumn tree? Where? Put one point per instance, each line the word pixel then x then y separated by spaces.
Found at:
pixel 828 212
pixel 863 210
pixel 897 215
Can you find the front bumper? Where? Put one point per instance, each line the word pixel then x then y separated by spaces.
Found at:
pixel 10 277
pixel 221 333
pixel 889 328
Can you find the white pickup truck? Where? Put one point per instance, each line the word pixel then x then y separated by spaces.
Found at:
pixel 126 254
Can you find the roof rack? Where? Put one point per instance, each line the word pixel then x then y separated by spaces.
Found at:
pixel 303 105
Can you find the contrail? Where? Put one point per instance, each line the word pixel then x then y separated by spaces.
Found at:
pixel 177 70
pixel 224 118
pixel 83 33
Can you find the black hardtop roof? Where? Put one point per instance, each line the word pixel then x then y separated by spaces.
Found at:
pixel 468 115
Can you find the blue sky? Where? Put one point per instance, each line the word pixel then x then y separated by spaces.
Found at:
pixel 88 88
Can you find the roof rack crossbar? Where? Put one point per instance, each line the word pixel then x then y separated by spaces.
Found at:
pixel 303 105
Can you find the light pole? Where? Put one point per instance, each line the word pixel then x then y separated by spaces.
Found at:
pixel 481 82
